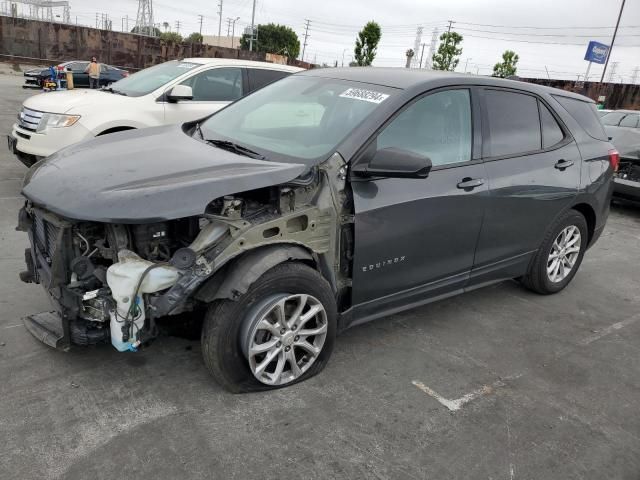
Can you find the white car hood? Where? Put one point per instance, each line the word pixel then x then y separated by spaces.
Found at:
pixel 74 101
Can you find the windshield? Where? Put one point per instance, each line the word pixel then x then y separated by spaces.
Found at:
pixel 296 118
pixel 612 118
pixel 147 80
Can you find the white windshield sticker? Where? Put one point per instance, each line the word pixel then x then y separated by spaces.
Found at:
pixel 365 95
pixel 186 65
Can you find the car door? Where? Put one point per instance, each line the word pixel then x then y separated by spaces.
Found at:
pixel 533 167
pixel 80 78
pixel 213 89
pixel 415 238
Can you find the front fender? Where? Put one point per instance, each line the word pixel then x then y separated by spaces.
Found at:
pixel 234 280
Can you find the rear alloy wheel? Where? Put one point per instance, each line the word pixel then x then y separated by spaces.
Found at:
pixel 564 254
pixel 559 256
pixel 280 332
pixel 283 336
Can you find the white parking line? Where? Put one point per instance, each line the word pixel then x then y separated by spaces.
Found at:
pixel 11 198
pixel 13 326
pixel 609 330
pixel 457 403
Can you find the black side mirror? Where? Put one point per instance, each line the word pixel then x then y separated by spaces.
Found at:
pixel 395 162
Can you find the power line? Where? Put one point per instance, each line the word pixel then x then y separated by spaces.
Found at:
pixel 538 34
pixel 567 27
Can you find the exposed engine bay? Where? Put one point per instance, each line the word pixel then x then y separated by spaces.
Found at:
pixel 111 281
pixel 629 170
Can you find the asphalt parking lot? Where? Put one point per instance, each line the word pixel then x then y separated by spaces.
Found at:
pixel 498 384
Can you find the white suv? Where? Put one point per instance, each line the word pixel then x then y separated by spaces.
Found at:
pixel 172 92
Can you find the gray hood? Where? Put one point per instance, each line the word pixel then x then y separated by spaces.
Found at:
pixel 142 176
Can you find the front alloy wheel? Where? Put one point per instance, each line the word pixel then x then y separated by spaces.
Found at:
pixel 564 253
pixel 283 336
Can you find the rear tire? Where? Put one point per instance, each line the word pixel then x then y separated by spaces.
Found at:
pixel 229 325
pixel 557 261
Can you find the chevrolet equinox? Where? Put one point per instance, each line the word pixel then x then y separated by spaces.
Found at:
pixel 328 199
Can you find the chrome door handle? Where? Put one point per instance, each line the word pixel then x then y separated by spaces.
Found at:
pixel 562 164
pixel 470 183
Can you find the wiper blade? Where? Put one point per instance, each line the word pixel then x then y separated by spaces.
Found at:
pixel 234 147
pixel 111 90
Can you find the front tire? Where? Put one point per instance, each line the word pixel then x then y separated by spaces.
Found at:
pixel 280 332
pixel 560 255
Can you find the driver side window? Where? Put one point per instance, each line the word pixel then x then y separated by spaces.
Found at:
pixel 437 126
pixel 216 85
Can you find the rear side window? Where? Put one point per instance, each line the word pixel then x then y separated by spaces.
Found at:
pixel 513 123
pixel 630 121
pixel 585 114
pixel 259 77
pixel 551 131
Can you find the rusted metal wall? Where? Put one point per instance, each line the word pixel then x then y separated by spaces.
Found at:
pixel 29 40
pixel 617 95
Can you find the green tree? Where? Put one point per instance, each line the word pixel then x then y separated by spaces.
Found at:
pixel 366 44
pixel 507 67
pixel 146 31
pixel 273 38
pixel 174 37
pixel 448 54
pixel 195 37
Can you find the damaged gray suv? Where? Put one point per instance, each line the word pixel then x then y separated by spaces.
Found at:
pixel 325 200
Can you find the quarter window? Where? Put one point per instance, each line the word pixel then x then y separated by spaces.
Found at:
pixel 551 131
pixel 437 126
pixel 259 77
pixel 585 114
pixel 513 124
pixel 216 85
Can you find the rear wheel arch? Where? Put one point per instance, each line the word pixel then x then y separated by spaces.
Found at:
pixel 589 215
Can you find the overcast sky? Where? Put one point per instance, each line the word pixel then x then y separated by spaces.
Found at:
pixel 562 28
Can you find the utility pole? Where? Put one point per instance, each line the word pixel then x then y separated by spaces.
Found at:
pixel 613 39
pixel 219 21
pixel 253 30
pixel 229 20
pixel 306 36
pixel 548 76
pixel 233 29
pixel 466 64
pixel 634 75
pixel 422 55
pixel 446 40
pixel 343 55
pixel 201 18
pixel 178 26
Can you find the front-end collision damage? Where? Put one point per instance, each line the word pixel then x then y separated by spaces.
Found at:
pixel 116 279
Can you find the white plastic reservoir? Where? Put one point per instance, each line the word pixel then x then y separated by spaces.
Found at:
pixel 123 278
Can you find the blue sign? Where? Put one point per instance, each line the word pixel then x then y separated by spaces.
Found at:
pixel 597 52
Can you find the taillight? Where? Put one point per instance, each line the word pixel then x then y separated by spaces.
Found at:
pixel 125 74
pixel 614 159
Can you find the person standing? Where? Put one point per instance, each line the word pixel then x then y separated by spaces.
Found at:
pixel 93 69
